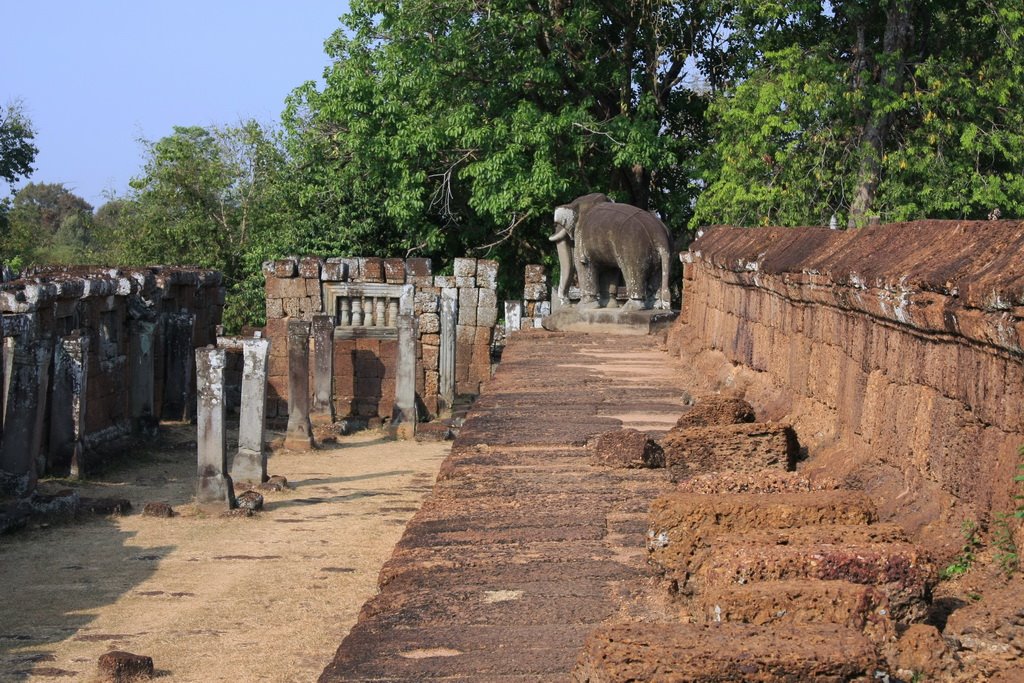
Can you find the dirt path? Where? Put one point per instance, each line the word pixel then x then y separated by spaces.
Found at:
pixel 210 598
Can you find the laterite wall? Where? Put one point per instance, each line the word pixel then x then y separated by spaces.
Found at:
pixel 896 350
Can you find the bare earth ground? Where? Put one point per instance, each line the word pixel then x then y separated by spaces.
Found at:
pixel 211 598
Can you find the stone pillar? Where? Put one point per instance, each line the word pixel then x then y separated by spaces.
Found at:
pixel 68 403
pixel 178 364
pixel 44 359
pixel 446 359
pixel 142 368
pixel 300 434
pixel 403 414
pixel 250 462
pixel 321 412
pixel 214 485
pixel 26 382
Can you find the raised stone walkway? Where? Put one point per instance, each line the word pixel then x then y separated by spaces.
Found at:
pixel 524 547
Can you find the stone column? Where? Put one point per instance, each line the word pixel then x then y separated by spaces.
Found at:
pixel 446 359
pixel 403 414
pixel 214 485
pixel 68 403
pixel 142 368
pixel 26 382
pixel 321 412
pixel 250 462
pixel 178 364
pixel 300 434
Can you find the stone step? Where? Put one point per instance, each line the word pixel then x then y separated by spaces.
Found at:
pixel 902 571
pixel 744 447
pixel 722 652
pixel 682 523
pixel 857 606
pixel 765 481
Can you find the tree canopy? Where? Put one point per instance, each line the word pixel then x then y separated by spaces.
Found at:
pixel 904 109
pixel 17 151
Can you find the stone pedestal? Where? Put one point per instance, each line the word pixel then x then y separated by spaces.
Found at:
pixel 446 359
pixel 322 412
pixel 609 320
pixel 403 415
pixel 299 436
pixel 214 485
pixel 250 462
pixel 142 367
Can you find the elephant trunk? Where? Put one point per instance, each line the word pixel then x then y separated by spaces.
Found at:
pixel 566 269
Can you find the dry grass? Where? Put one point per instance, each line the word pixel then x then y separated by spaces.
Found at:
pixel 209 598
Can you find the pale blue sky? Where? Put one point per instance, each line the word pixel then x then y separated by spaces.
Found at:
pixel 94 77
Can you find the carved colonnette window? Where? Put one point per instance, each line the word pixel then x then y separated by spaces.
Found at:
pixel 366 309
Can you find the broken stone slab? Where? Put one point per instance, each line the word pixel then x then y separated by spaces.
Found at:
pixel 904 572
pixel 751 446
pixel 724 652
pixel 118 666
pixel 250 500
pixel 861 607
pixel 680 524
pixel 627 448
pixel 714 410
pixel 157 509
pixel 106 506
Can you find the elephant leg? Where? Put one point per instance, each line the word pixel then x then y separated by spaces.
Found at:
pixel 588 280
pixel 664 300
pixel 636 289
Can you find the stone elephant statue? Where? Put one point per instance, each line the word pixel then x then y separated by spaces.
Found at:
pixel 594 235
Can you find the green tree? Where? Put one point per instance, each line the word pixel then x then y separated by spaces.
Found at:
pixel 206 196
pixel 455 126
pixel 17 152
pixel 905 108
pixel 48 223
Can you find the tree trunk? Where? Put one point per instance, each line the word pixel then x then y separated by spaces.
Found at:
pixel 898 38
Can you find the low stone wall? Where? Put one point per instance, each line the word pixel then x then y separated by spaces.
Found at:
pixel 364 297
pixel 94 354
pixel 896 351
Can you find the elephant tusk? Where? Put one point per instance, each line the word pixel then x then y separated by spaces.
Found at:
pixel 559 236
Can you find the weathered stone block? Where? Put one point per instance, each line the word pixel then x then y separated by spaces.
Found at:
pixel 860 607
pixel 468 297
pixel 394 271
pixel 535 291
pixel 275 309
pixel 117 666
pixel 724 652
pixel 464 267
pixel 902 571
pixel 535 274
pixel 309 267
pixel 430 323
pixel 371 269
pixel 419 267
pixel 285 267
pixel 486 317
pixel 683 523
pixel 426 301
pixel 627 448
pixel 487 274
pixel 742 447
pixel 710 411
pixel 334 271
pixel 464 282
pixel 444 281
